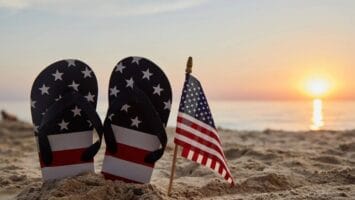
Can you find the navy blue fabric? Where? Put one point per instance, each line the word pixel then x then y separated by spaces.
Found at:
pixel 141 102
pixel 141 86
pixel 63 100
pixel 194 102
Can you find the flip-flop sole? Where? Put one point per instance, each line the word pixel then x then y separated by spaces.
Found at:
pixel 71 132
pixel 134 135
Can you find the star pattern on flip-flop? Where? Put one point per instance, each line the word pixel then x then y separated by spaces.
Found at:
pixel 142 76
pixel 167 105
pixel 33 104
pixel 58 98
pixel 44 89
pixel 90 97
pixel 76 111
pixel 58 75
pixel 110 116
pixel 71 62
pixel 87 73
pixel 63 125
pixel 135 122
pixel 74 85
pixel 125 107
pixel 157 89
pixel 62 78
pixel 89 122
pixel 114 91
pixel 130 82
pixel 136 60
pixel 147 74
pixel 119 67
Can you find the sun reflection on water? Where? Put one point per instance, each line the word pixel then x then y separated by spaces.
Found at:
pixel 317 116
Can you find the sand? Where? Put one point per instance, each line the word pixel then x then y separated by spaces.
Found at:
pixel 266 165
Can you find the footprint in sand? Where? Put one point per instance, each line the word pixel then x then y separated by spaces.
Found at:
pixel 327 159
pixel 348 147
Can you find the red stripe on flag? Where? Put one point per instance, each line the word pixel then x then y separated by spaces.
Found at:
pixel 195 156
pixel 199 128
pixel 213 157
pixel 131 154
pixel 213 163
pixel 227 176
pixel 220 170
pixel 198 139
pixel 204 160
pixel 65 157
pixel 185 152
pixel 199 148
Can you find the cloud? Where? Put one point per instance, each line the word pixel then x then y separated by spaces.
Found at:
pixel 99 7
pixel 13 4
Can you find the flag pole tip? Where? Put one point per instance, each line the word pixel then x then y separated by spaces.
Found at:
pixel 189 65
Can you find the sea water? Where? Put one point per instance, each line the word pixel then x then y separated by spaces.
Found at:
pixel 251 115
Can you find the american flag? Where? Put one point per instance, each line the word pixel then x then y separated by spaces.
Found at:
pixel 196 132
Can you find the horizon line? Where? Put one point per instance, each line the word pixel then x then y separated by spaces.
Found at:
pixel 218 99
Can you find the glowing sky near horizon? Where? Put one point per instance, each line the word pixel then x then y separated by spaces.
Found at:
pixel 242 49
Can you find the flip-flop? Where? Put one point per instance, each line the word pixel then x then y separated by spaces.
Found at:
pixel 139 106
pixel 63 103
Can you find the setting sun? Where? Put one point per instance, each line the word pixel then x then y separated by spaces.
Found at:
pixel 318 87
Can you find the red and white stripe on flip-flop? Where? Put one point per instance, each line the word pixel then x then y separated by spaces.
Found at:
pixel 127 164
pixel 67 149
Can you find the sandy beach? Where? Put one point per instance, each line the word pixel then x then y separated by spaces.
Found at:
pixel 270 164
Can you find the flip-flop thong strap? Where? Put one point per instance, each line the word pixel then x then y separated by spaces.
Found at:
pixel 56 110
pixel 150 114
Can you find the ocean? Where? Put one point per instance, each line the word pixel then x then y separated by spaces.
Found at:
pixel 252 115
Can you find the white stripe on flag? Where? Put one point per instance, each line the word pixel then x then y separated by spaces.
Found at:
pixel 229 180
pixel 199 134
pixel 199 158
pixel 224 172
pixel 216 167
pixel 73 140
pixel 206 126
pixel 209 162
pixel 126 169
pixel 190 155
pixel 50 173
pixel 135 138
pixel 200 146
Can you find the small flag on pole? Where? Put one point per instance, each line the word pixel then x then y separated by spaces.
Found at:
pixel 196 131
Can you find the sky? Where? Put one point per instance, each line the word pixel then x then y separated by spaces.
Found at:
pixel 242 50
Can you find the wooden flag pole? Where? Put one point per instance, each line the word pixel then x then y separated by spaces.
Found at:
pixel 189 65
pixel 188 70
pixel 172 170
